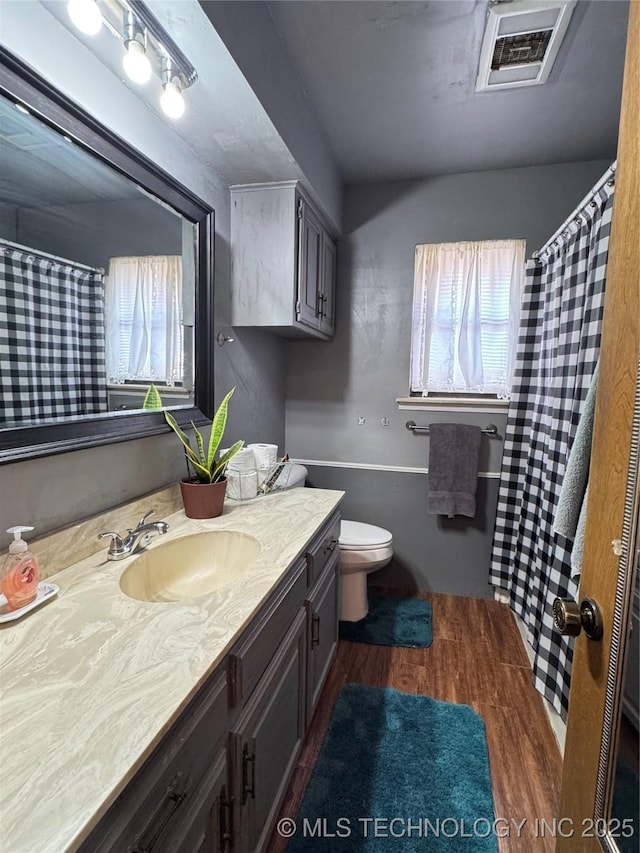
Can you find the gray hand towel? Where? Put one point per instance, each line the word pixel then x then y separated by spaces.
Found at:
pixel 454 455
pixel 576 475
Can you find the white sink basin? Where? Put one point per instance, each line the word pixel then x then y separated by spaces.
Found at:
pixel 189 567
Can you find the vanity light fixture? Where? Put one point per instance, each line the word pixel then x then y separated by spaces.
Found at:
pixel 136 62
pixel 149 49
pixel 171 100
pixel 86 15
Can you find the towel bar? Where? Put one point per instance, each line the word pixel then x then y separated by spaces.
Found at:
pixel 412 426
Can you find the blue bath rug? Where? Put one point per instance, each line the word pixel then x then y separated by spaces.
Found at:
pixel 397 772
pixel 392 621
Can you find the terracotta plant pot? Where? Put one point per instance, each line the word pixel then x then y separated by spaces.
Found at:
pixel 203 500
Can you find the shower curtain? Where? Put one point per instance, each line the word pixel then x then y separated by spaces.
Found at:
pixel 51 339
pixel 558 348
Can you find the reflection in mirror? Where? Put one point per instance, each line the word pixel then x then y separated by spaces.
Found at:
pixel 625 803
pixel 97 283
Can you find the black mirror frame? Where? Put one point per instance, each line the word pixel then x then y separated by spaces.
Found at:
pixel 21 84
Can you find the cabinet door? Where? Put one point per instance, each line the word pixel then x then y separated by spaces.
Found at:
pixel 161 800
pixel 309 267
pixel 207 827
pixel 267 738
pixel 323 610
pixel 328 290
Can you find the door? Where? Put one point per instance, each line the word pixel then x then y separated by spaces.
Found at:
pixel 322 607
pixel 266 740
pixel 207 827
pixel 327 308
pixel 309 265
pixel 593 706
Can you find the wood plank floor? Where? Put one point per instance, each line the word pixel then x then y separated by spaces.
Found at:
pixel 477 659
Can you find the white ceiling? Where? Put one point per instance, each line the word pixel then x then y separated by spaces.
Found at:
pixel 393 85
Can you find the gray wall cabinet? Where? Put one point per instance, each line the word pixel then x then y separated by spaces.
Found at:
pixel 283 262
pixel 216 781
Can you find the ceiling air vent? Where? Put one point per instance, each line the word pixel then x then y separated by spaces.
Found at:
pixel 521 41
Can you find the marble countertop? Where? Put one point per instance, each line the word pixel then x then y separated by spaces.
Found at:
pixel 91 681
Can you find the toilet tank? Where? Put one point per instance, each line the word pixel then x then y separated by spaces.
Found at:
pixel 296 477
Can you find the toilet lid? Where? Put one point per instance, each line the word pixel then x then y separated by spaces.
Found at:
pixel 358 536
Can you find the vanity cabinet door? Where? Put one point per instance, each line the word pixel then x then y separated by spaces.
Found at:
pixel 207 827
pixel 161 802
pixel 266 739
pixel 323 612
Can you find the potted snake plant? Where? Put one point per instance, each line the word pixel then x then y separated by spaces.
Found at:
pixel 203 491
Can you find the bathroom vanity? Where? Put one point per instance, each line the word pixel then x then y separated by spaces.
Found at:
pixel 171 726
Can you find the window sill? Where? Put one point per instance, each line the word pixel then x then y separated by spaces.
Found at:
pixel 135 388
pixel 452 403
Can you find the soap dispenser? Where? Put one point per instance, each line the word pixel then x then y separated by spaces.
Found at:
pixel 20 573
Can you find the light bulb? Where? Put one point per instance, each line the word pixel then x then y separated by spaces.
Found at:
pixel 85 15
pixel 136 63
pixel 171 100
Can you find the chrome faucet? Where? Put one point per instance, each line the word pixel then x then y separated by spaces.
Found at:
pixel 120 547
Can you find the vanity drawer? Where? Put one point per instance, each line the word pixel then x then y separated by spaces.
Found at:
pixel 321 548
pixel 249 659
pixel 162 794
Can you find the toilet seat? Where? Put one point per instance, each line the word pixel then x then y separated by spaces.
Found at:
pixel 356 536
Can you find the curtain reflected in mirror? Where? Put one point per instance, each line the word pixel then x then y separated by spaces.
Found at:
pixel 97 283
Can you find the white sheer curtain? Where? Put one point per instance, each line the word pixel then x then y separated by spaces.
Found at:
pixel 466 308
pixel 144 319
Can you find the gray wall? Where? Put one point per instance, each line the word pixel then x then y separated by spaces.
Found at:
pixel 366 366
pixel 58 490
pixel 251 37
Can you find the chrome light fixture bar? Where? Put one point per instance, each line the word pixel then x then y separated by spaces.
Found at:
pixel 149 49
pixel 181 67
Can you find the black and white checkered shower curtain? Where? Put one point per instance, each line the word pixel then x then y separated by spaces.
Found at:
pixel 558 349
pixel 52 356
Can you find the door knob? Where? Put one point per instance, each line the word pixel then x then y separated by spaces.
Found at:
pixel 570 619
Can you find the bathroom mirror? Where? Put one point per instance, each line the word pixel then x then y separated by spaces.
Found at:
pixel 106 268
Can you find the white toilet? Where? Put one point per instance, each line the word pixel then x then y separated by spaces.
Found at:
pixel 364 548
pixel 294 478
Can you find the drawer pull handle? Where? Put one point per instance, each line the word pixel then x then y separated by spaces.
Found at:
pixel 226 819
pixel 174 796
pixel 315 630
pixel 331 547
pixel 248 787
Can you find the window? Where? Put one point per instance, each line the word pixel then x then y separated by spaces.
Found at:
pixel 144 320
pixel 466 307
